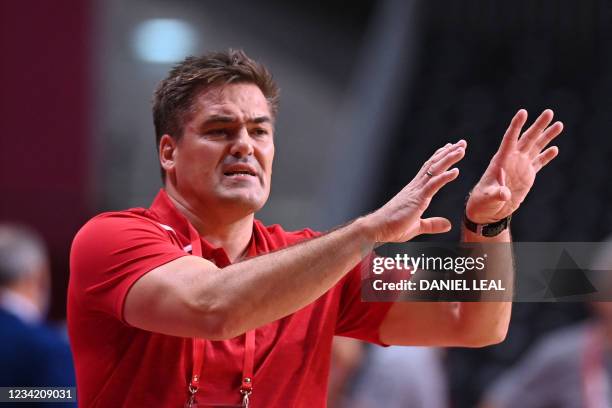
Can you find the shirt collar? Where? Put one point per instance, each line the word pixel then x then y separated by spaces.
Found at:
pixel 165 211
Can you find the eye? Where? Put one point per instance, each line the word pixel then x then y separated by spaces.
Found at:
pixel 260 131
pixel 216 132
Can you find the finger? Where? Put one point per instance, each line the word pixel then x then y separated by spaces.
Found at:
pixel 545 138
pixel 498 193
pixel 435 183
pixel 512 133
pixel 440 151
pixel 449 148
pixel 526 141
pixel 439 155
pixel 461 143
pixel 545 157
pixel 447 161
pixel 434 225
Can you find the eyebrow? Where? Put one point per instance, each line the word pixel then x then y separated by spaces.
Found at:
pixel 231 119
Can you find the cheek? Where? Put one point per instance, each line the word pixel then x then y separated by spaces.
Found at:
pixel 202 160
pixel 268 154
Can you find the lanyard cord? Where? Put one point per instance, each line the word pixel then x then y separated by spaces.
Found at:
pixel 247 371
pixel 199 345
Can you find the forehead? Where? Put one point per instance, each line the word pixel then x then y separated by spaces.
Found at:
pixel 240 100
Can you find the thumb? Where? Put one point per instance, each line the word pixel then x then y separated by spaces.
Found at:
pixel 504 193
pixel 497 193
pixel 434 225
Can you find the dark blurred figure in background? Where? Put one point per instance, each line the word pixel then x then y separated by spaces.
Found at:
pixel 31 353
pixel 569 368
pixel 393 377
pixel 402 377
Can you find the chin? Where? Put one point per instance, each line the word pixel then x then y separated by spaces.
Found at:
pixel 247 203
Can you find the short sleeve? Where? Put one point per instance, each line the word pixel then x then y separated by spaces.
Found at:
pixel 110 253
pixel 356 318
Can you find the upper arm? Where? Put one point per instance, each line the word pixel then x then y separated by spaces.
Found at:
pixel 422 324
pixel 133 270
pixel 172 299
pixel 446 324
pixel 411 322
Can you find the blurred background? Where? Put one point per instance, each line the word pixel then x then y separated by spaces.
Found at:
pixel 369 89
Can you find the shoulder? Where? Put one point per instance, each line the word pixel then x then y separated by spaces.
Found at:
pixel 117 226
pixel 28 337
pixel 34 354
pixel 119 220
pixel 12 327
pixel 119 239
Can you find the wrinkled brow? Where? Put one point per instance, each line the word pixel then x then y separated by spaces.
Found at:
pixel 232 119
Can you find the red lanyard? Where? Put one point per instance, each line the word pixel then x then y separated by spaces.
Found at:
pixel 594 379
pixel 199 345
pixel 247 370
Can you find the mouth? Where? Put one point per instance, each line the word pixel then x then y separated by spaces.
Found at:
pixel 240 171
pixel 239 174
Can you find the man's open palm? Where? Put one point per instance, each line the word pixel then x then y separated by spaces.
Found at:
pixel 512 171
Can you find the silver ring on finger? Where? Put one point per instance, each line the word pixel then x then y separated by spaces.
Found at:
pixel 429 173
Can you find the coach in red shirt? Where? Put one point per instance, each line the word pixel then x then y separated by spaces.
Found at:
pixel 194 302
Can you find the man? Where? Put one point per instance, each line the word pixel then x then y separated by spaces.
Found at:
pixel 171 305
pixel 31 353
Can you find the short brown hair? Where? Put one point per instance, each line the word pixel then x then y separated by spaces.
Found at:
pixel 173 98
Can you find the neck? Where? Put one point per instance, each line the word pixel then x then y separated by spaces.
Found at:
pixel 232 233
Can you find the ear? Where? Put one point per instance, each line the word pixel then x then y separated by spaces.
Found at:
pixel 167 152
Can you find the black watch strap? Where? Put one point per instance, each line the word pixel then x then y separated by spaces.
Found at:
pixel 487 230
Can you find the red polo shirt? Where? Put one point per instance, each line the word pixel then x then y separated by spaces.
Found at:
pixel 119 365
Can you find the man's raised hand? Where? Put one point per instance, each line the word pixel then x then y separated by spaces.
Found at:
pixel 399 220
pixel 512 170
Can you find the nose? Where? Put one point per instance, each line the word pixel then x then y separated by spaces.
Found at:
pixel 242 146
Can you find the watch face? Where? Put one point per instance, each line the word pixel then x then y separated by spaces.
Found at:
pixel 492 230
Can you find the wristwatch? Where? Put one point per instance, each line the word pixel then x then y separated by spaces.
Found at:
pixel 487 230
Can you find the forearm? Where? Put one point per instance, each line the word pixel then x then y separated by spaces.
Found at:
pixel 465 324
pixel 260 290
pixel 487 321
